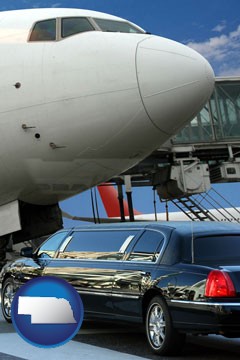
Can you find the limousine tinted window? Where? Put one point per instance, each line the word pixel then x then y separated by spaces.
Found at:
pixel 51 245
pixel 97 245
pixel 216 249
pixel 147 247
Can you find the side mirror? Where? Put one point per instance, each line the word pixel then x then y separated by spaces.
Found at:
pixel 26 252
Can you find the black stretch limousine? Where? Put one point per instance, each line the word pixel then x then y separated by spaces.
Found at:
pixel 175 277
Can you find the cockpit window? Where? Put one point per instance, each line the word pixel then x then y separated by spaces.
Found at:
pixel 44 31
pixel 75 25
pixel 117 26
pixel 60 28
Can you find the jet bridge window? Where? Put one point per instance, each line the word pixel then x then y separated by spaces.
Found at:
pixel 75 25
pixel 117 26
pixel 44 31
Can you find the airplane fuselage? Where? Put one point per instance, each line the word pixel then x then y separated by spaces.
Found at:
pixel 84 96
pixel 78 110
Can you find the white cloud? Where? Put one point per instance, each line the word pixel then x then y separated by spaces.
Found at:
pixel 36 5
pixel 226 70
pixel 223 51
pixel 56 5
pixel 40 4
pixel 220 27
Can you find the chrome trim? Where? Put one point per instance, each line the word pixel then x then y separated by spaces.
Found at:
pixel 126 243
pixel 120 261
pixel 204 303
pixel 65 243
pixel 108 294
pixel 94 293
pixel 126 296
pixel 86 260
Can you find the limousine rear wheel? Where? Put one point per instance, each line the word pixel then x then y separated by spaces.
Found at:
pixel 8 292
pixel 161 335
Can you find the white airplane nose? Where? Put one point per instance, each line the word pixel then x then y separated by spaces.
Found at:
pixel 174 82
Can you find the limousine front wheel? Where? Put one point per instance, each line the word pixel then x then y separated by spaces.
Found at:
pixel 161 335
pixel 8 292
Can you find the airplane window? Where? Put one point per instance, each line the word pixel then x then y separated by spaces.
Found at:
pixel 71 26
pixel 44 31
pixel 117 26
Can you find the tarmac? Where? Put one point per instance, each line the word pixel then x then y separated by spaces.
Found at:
pixel 13 347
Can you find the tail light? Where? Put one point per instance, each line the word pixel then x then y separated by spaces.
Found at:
pixel 219 284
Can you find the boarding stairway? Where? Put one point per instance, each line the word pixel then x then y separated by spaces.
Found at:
pixel 195 207
pixel 191 209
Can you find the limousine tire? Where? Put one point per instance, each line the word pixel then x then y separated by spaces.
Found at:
pixel 162 337
pixel 7 295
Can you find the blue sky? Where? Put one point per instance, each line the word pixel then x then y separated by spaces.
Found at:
pixel 212 27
